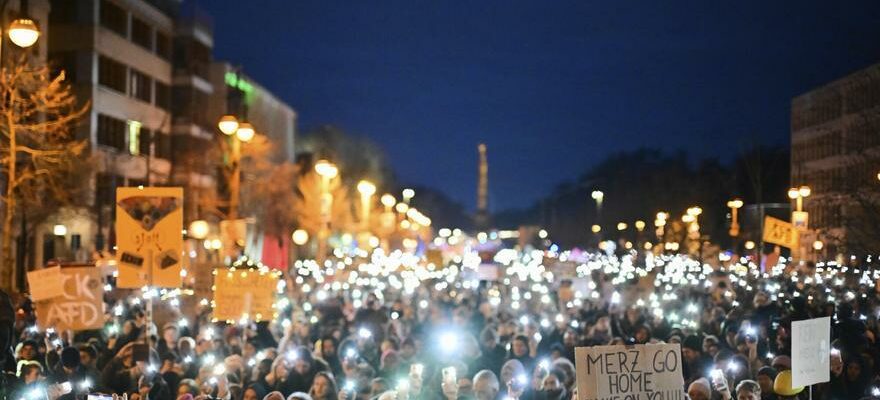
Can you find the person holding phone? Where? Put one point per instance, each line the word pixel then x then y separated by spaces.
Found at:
pixel 70 370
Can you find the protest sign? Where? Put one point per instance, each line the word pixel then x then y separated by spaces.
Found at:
pixel 779 232
pixel 244 294
pixel 811 351
pixel 149 238
pixel 80 304
pixel 638 372
pixel 45 283
pixel 487 272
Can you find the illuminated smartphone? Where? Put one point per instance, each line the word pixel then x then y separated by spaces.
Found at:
pixel 416 369
pixel 66 388
pixel 99 396
pixel 449 375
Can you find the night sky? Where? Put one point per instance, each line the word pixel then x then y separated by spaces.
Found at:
pixel 551 87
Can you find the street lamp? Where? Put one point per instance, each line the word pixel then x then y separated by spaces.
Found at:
pixel 228 124
pixel 598 196
pixel 799 194
pixel 244 133
pixel 734 206
pixel 388 201
pixel 366 189
pixel 24 32
pixel 300 237
pixel 799 217
pixel 198 229
pixel 408 194
pixel 327 171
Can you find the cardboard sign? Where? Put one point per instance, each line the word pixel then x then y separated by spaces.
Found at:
pixel 811 351
pixel 244 294
pixel 646 372
pixel 80 305
pixel 487 272
pixel 45 283
pixel 779 232
pixel 149 239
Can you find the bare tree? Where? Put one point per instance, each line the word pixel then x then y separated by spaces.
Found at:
pixel 37 114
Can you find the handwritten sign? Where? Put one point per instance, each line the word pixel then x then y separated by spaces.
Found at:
pixel 244 294
pixel 639 372
pixel 45 283
pixel 149 226
pixel 811 351
pixel 80 304
pixel 779 232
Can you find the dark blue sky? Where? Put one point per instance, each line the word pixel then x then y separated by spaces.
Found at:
pixel 551 87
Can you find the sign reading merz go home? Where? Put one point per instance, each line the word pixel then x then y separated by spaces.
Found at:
pixel 638 372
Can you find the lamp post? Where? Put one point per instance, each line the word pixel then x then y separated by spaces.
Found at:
pixel 408 194
pixel 366 189
pixel 692 218
pixel 598 196
pixel 799 216
pixel 238 133
pixel 327 171
pixel 734 206
pixel 23 32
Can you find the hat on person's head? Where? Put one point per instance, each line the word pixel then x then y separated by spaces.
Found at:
pixel 693 342
pixel 70 357
pixel 782 385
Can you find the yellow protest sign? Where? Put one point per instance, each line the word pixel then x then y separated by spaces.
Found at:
pixel 244 294
pixel 149 239
pixel 651 371
pixel 79 306
pixel 779 232
pixel 45 283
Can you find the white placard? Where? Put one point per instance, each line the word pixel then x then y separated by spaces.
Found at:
pixel 810 352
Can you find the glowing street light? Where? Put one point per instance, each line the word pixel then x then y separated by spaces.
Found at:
pixel 300 237
pixel 24 32
pixel 734 206
pixel 366 189
pixel 199 229
pixel 245 132
pixel 327 171
pixel 408 194
pixel 388 201
pixel 798 194
pixel 228 124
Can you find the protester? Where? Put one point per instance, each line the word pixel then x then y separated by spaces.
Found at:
pixel 391 330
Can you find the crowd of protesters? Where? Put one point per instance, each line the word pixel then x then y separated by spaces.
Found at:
pixel 461 338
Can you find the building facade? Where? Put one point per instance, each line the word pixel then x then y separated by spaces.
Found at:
pixel 835 150
pixel 117 55
pixel 146 67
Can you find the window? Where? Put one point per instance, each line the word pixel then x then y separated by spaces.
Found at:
pixel 141 33
pixel 163 45
pixel 163 96
pixel 146 141
pixel 134 137
pixel 114 18
pixel 162 146
pixel 111 74
pixel 111 132
pixel 141 86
